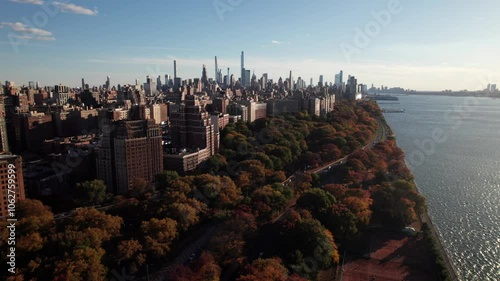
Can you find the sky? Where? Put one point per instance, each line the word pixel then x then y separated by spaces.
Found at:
pixel 422 45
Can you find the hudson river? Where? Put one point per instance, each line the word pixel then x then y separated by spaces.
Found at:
pixel 452 146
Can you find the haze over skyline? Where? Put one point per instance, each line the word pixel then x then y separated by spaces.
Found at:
pixel 426 45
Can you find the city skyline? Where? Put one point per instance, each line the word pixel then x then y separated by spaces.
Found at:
pixel 423 46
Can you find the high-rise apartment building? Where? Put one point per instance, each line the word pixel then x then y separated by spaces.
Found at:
pixel 129 150
pixel 353 88
pixel 191 126
pixel 61 94
pixel 4 141
pixel 194 136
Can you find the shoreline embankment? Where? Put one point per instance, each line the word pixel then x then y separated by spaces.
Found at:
pixel 434 234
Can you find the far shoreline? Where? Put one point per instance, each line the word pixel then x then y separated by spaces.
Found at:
pixel 444 93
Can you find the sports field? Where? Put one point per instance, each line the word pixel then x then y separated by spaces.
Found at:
pixel 390 256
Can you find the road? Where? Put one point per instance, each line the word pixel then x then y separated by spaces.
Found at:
pixel 383 131
pixel 68 214
pixel 184 256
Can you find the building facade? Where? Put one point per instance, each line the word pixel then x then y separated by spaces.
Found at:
pixel 131 150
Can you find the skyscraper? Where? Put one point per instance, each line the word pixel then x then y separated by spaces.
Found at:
pixel 108 83
pixel 167 78
pixel 175 69
pixel 247 78
pixel 83 84
pixel 158 83
pixel 150 88
pixel 204 77
pixel 320 83
pixel 353 88
pixel 339 78
pixel 242 67
pixel 216 71
pixel 265 80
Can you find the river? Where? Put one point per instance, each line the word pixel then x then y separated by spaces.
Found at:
pixel 452 146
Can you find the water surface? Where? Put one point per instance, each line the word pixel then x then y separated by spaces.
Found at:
pixel 452 146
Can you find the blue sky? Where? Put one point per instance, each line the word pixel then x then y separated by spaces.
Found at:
pixel 425 45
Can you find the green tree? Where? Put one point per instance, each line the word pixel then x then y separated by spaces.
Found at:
pixel 213 164
pixel 162 179
pixel 316 200
pixel 90 192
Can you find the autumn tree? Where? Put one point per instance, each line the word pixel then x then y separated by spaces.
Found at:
pixel 106 226
pixel 391 208
pixel 141 189
pixel 34 217
pixel 230 195
pixel 185 215
pixel 206 268
pixel 180 273
pixel 129 253
pixel 158 235
pixel 81 264
pixel 360 207
pixel 265 269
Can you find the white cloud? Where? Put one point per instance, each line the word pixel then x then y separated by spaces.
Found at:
pixel 34 2
pixel 280 42
pixel 72 8
pixel 38 38
pixel 21 27
pixel 157 48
